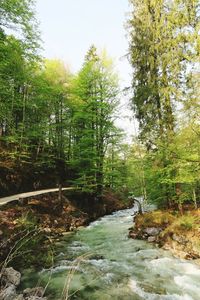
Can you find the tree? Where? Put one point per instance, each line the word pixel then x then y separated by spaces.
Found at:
pixel 163 46
pixel 96 88
pixel 19 17
pixel 18 58
pixel 116 163
pixel 52 88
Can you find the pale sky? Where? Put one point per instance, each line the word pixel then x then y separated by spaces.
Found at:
pixel 70 27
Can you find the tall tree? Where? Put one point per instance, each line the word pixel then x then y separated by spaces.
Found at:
pixel 163 47
pixel 97 88
pixel 18 51
pixel 18 16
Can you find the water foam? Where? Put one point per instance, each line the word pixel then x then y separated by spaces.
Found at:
pixel 161 261
pixel 191 269
pixel 109 277
pixel 65 268
pixel 133 285
pixel 186 285
pixel 101 264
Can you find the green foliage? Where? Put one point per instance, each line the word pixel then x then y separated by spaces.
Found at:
pixel 26 221
pixel 95 90
pixel 19 16
pixel 157 218
pixel 59 124
pixel 49 118
pixel 188 222
pixel 164 49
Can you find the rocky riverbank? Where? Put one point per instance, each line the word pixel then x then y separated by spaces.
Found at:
pixel 28 230
pixel 168 229
pixel 10 280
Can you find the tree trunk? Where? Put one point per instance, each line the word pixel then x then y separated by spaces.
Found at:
pixel 60 194
pixel 139 206
pixel 194 198
pixel 178 193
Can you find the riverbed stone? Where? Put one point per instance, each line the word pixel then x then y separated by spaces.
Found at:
pixel 9 293
pixel 36 298
pixel 178 238
pixel 33 292
pixel 151 239
pixel 152 231
pixel 133 235
pixel 11 276
pixel 20 297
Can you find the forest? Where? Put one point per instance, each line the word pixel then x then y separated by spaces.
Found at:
pixel 58 128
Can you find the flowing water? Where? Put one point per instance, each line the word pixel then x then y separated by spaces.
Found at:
pixel 100 262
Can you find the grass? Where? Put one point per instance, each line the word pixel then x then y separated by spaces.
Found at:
pixel 155 219
pixel 171 222
pixel 180 233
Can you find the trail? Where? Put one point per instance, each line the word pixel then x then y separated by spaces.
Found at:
pixel 18 197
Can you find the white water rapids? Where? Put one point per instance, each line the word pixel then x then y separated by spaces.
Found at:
pixel 116 267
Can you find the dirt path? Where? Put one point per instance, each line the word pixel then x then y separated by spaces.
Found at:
pixel 8 199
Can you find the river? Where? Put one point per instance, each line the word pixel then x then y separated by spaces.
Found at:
pixel 100 262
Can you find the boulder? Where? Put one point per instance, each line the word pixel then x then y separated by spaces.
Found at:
pixel 9 293
pixel 152 231
pixel 11 276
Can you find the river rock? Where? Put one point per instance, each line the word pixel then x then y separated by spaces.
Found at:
pixel 178 238
pixel 8 293
pixel 152 231
pixel 20 297
pixel 132 234
pixel 11 276
pixel 151 239
pixel 36 298
pixel 37 291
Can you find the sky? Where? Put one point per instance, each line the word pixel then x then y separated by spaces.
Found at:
pixel 69 27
